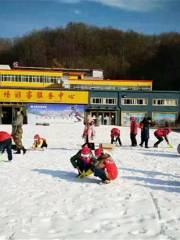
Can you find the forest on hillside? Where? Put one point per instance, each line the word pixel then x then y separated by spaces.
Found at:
pixel 122 55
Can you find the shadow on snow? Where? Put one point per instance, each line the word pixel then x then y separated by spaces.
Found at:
pixel 169 186
pixel 68 176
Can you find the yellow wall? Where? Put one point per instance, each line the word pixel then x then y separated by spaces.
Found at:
pixel 43 96
pixel 31 73
pixel 112 83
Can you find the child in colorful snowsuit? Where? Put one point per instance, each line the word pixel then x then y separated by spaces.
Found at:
pixel 161 134
pixel 83 160
pixel 89 134
pixel 6 143
pixel 106 168
pixel 133 131
pixel 39 142
pixel 115 136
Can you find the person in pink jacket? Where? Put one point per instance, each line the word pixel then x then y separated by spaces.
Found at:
pixel 161 134
pixel 133 131
pixel 89 134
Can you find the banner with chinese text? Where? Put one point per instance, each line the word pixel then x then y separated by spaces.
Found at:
pixel 43 96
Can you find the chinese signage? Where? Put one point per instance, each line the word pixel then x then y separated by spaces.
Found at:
pixel 43 96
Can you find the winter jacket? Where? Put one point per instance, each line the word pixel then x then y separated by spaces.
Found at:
pixel 162 132
pixel 115 132
pixel 134 127
pixel 40 143
pixel 110 168
pixel 145 125
pixel 87 161
pixel 89 133
pixel 4 136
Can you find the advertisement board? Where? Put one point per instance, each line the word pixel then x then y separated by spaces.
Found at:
pixel 54 113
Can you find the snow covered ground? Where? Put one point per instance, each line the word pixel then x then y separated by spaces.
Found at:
pixel 42 199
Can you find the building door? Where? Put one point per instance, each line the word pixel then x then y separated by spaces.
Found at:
pixel 6 117
pixel 104 117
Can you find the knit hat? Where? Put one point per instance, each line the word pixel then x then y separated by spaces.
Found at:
pixel 36 137
pixel 132 118
pixel 85 152
pixel 98 152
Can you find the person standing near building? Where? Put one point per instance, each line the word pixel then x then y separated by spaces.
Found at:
pixel 89 134
pixel 133 131
pixel 145 125
pixel 17 131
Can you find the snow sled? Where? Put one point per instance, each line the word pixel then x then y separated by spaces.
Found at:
pixel 178 148
pixel 108 147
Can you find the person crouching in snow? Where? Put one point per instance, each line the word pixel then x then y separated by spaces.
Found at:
pixel 106 168
pixel 115 136
pixel 161 134
pixel 6 143
pixel 83 160
pixel 39 142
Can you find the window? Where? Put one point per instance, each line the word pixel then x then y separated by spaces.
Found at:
pixel 111 101
pixel 165 102
pixel 105 101
pixel 134 101
pixel 96 100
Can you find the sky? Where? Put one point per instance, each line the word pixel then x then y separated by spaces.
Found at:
pixel 42 199
pixel 20 17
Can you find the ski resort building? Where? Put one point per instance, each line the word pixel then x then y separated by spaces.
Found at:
pixel 54 94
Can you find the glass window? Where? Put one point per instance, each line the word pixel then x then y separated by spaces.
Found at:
pixel 96 100
pixel 134 101
pixel 110 101
pixel 165 102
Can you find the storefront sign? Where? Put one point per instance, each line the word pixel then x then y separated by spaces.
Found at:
pixel 43 96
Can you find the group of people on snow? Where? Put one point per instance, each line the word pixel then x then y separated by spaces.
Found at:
pixel 98 163
pixel 161 133
pixel 87 160
pixel 6 138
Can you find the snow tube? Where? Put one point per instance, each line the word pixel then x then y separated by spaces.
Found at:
pixel 178 148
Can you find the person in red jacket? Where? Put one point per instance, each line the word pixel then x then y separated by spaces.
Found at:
pixel 161 134
pixel 6 144
pixel 133 131
pixel 106 168
pixel 115 136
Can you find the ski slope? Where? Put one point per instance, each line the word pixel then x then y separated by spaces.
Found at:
pixel 42 199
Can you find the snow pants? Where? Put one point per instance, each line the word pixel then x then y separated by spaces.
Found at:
pixel 6 145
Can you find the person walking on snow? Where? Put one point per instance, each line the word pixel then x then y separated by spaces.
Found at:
pixel 161 134
pixel 115 136
pixel 133 131
pixel 6 144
